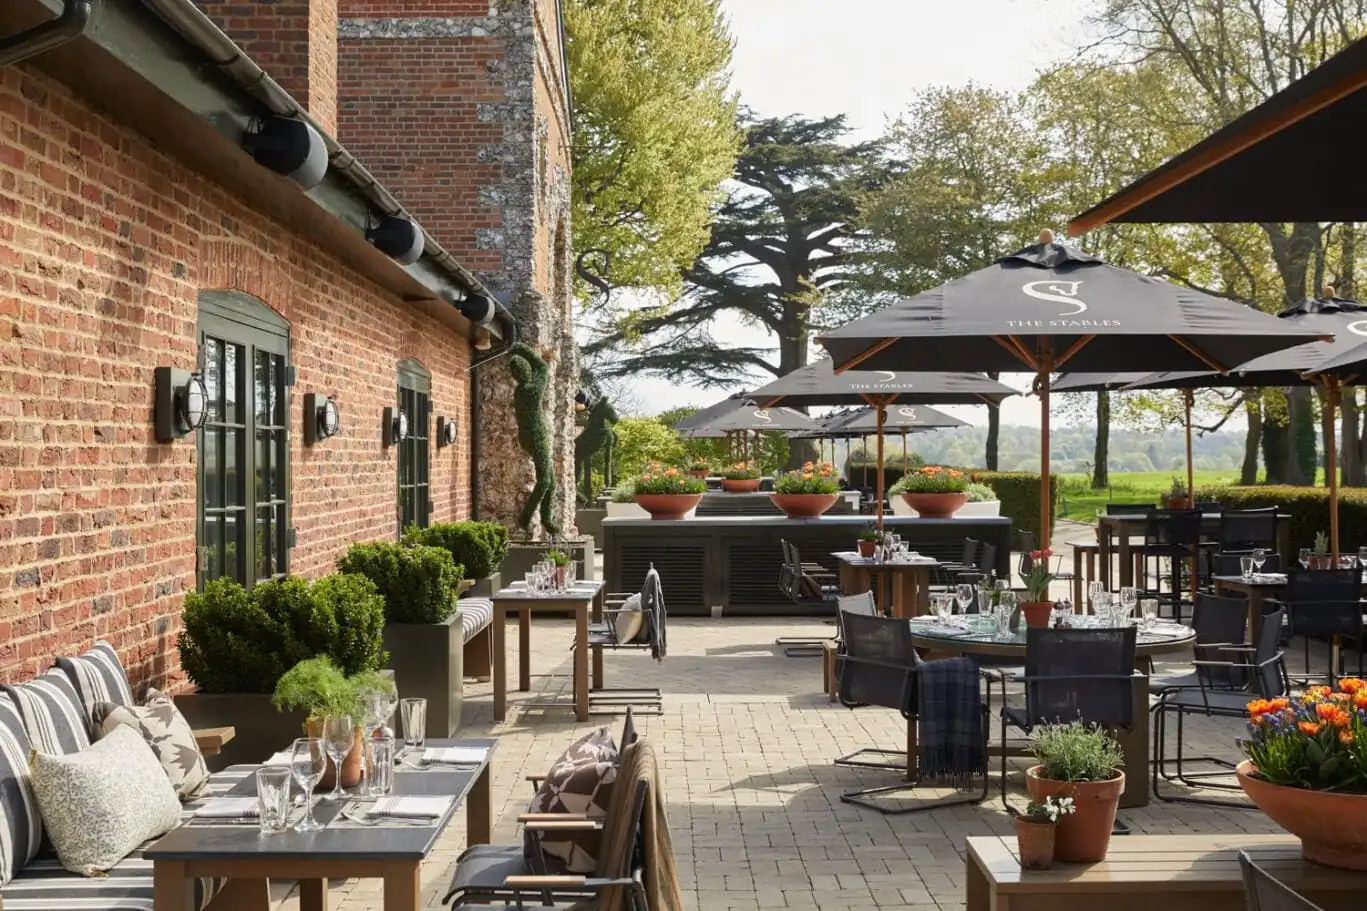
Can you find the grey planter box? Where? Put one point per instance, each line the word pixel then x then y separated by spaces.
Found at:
pixel 485 588
pixel 589 521
pixel 522 557
pixel 261 731
pixel 427 660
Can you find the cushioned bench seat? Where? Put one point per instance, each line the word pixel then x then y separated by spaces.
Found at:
pixel 475 616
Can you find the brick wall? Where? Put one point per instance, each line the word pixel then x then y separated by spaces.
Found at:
pixel 104 246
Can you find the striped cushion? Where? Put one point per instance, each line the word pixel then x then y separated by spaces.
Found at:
pixel 56 721
pixel 475 615
pixel 21 826
pixel 98 676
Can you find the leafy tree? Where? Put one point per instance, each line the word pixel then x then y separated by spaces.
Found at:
pixel 654 135
pixel 641 441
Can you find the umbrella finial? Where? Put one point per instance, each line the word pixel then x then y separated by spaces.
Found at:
pixel 1327 291
pixel 1046 236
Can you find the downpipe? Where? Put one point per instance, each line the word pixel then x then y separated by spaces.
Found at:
pixel 69 24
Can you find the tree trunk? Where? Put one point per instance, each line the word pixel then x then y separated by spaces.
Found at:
pixel 1102 450
pixel 1354 474
pixel 1301 457
pixel 1248 475
pixel 1276 447
pixel 994 427
pixel 792 355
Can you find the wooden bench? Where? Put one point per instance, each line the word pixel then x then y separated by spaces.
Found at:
pixel 211 740
pixel 1143 872
pixel 476 615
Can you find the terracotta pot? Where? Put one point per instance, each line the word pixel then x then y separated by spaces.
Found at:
pixel 740 485
pixel 1321 561
pixel 668 505
pixel 1084 836
pixel 804 505
pixel 1177 502
pixel 935 505
pixel 1332 827
pixel 867 549
pixel 351 766
pixel 1037 613
pixel 699 472
pixel 1035 841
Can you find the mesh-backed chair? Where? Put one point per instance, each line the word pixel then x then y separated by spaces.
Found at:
pixel 609 636
pixel 804 583
pixel 1129 509
pixel 1027 562
pixel 1323 602
pixel 1072 675
pixel 944 572
pixel 1229 563
pixel 986 566
pixel 880 667
pixel 1219 624
pixel 1173 535
pixel 1262 670
pixel 1248 529
pixel 1264 893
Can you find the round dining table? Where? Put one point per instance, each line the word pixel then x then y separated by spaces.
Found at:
pixel 975 635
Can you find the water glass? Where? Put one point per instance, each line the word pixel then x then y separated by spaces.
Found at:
pixel 984 601
pixel 414 715
pixel 1148 608
pixel 382 753
pixel 1362 557
pixel 1246 567
pixel 308 761
pixel 273 798
pixel 338 737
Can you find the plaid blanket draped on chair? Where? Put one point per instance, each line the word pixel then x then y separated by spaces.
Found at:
pixel 949 716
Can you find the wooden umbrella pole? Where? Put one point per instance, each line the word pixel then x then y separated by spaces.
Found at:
pixel 904 452
pixel 1046 368
pixel 1187 397
pixel 1331 466
pixel 879 505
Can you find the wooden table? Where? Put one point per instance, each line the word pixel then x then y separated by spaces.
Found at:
pixel 1134 742
pixel 586 596
pixel 1257 591
pixel 1142 872
pixel 910 581
pixel 1089 553
pixel 1115 531
pixel 249 859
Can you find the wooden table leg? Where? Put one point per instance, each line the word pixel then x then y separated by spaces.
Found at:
pixel 921 582
pixel 597 657
pixel 1126 560
pixel 172 890
pixel 403 886
pixel 1103 539
pixel 977 890
pixel 1077 576
pixel 479 810
pixel 1134 743
pixel 524 648
pixel 849 579
pixel 581 661
pixel 500 660
pixel 901 597
pixel 313 895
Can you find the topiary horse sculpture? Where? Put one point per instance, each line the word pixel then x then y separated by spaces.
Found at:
pixel 597 436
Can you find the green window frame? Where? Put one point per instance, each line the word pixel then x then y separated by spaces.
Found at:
pixel 242 466
pixel 415 460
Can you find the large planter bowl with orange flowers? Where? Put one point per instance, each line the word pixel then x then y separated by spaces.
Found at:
pixel 807 492
pixel 1320 738
pixel 740 478
pixel 935 492
pixel 667 493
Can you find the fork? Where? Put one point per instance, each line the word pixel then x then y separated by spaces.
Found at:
pixel 379 820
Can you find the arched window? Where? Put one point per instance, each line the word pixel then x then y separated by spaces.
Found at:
pixel 415 401
pixel 243 466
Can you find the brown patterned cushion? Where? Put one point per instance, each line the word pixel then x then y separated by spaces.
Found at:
pixel 580 781
pixel 166 731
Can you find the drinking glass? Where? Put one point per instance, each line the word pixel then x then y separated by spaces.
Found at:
pixel 1347 561
pixel 1094 591
pixel 339 738
pixel 1259 558
pixel 984 602
pixel 1002 585
pixel 373 709
pixel 944 607
pixel 1129 596
pixel 273 798
pixel 383 751
pixel 1101 603
pixel 1246 567
pixel 1305 557
pixel 414 715
pixel 1362 557
pixel 1004 611
pixel 964 594
pixel 307 762
pixel 1149 609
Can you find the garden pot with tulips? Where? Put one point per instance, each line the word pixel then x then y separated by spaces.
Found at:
pixel 807 492
pixel 1080 762
pixel 935 492
pixel 1319 738
pixel 1036 606
pixel 740 478
pixel 667 493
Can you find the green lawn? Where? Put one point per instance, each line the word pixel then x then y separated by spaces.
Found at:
pixel 1079 502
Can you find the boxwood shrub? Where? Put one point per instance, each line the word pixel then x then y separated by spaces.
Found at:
pixel 1019 492
pixel 477 546
pixel 1308 508
pixel 418 583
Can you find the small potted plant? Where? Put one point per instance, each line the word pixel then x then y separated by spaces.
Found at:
pixel 1037 605
pixel 1319 556
pixel 1082 762
pixel 1036 829
pixel 667 493
pixel 868 541
pixel 740 478
pixel 1177 496
pixel 700 468
pixel 320 688
pixel 561 561
pixel 807 492
pixel 933 491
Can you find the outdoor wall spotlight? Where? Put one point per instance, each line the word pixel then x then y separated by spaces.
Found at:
pixel 289 147
pixel 321 418
pixel 446 432
pixel 395 426
pixel 181 403
pixel 398 238
pixel 478 309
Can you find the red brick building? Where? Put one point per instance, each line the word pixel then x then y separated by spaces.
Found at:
pixel 135 234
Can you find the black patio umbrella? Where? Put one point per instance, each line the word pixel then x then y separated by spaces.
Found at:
pixel 1093 382
pixel 747 419
pixel 819 383
pixel 900 419
pixel 704 416
pixel 1050 305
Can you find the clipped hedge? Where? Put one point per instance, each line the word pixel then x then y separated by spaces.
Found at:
pixel 477 546
pixel 864 475
pixel 1019 492
pixel 418 583
pixel 1308 508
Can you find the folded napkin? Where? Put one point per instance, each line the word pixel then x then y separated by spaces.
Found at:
pixel 455 755
pixel 411 807
pixel 229 808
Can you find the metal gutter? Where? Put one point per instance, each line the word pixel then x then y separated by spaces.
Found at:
pixel 69 24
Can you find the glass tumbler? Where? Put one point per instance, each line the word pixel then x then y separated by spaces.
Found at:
pixel 414 715
pixel 273 798
pixel 383 781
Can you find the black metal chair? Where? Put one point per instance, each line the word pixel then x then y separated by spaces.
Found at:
pixel 1027 562
pixel 1262 892
pixel 944 573
pixel 629 736
pixel 1084 675
pixel 1219 624
pixel 1173 535
pixel 1129 509
pixel 986 567
pixel 880 667
pixel 1248 529
pixel 651 638
pixel 1263 672
pixel 1323 602
pixel 804 583
pixel 1229 563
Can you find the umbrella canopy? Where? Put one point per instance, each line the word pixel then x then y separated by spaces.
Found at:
pixel 819 384
pixel 749 418
pixel 704 416
pixel 898 419
pixel 1093 382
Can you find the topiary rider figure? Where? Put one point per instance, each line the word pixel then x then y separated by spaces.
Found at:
pixel 596 436
pixel 534 433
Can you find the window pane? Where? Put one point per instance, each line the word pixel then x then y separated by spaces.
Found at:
pixel 211 443
pixel 232 546
pixel 213 379
pixel 278 463
pixel 278 390
pixel 265 564
pixel 232 467
pixel 231 415
pixel 281 548
pixel 213 542
pixel 262 383
pixel 263 466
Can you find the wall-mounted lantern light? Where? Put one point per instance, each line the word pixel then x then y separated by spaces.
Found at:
pixel 397 237
pixel 395 426
pixel 181 403
pixel 321 418
pixel 447 432
pixel 481 339
pixel 289 147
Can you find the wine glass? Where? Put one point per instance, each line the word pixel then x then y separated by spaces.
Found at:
pixel 1129 597
pixel 1305 557
pixel 964 594
pixel 338 737
pixel 1005 609
pixel 1094 591
pixel 1259 558
pixel 1362 558
pixel 308 761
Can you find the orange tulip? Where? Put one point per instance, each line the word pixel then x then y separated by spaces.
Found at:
pixel 1351 684
pixel 1345 737
pixel 1309 728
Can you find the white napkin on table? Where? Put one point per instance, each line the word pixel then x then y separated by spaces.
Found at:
pixel 455 755
pixel 229 808
pixel 412 807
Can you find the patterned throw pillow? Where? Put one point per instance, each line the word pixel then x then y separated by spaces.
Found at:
pixel 21 825
pixel 100 804
pixel 166 731
pixel 580 782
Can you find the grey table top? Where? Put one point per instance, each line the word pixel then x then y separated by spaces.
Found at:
pixel 1135 518
pixel 849 520
pixel 581 590
pixel 853 559
pixel 208 841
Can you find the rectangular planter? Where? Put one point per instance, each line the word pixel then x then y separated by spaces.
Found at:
pixel 260 730
pixel 427 662
pixel 485 588
pixel 522 557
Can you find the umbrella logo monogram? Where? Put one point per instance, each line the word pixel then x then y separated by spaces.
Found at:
pixel 889 376
pixel 1062 293
pixel 908 413
pixel 1359 327
pixel 763 415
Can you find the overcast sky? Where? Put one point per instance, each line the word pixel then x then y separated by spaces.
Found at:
pixel 865 59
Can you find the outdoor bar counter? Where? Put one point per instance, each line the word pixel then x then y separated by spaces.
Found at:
pixel 733 562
